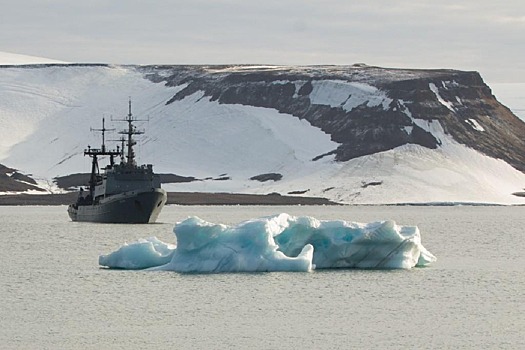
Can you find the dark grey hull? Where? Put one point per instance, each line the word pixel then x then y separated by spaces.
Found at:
pixel 126 208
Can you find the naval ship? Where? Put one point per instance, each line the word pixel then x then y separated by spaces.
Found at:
pixel 122 192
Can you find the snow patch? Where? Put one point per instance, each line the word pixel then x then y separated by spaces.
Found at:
pixel 475 125
pixel 431 126
pixel 347 95
pixel 435 90
pixel 298 84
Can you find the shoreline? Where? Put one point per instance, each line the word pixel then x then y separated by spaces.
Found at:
pixel 223 198
pixel 178 198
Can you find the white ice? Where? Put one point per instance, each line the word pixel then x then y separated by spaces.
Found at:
pixel 144 253
pixel 276 243
pixel 475 124
pixel 441 100
pixel 347 95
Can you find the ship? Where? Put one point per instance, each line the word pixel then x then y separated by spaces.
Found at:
pixel 120 192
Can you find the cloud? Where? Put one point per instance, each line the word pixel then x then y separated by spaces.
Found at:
pixel 511 19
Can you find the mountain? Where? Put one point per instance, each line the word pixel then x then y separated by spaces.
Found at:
pixel 353 134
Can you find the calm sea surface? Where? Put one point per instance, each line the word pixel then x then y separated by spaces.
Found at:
pixel 53 295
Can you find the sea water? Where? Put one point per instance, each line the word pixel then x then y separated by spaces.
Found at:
pixel 54 295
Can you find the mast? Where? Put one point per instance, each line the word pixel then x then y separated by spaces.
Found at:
pixel 121 148
pixel 94 168
pixel 103 131
pixel 131 130
pixel 95 152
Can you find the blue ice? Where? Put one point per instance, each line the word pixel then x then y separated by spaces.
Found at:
pixel 276 243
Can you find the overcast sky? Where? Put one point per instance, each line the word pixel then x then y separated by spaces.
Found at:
pixel 482 35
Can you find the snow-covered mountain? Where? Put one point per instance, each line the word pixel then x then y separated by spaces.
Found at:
pixel 353 134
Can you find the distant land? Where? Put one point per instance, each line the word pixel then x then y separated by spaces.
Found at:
pixel 352 134
pixel 179 198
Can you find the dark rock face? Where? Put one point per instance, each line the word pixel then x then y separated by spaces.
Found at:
pixel 470 99
pixel 69 182
pixel 13 181
pixel 267 177
pixel 460 101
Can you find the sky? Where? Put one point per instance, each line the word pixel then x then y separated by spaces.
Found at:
pixel 481 35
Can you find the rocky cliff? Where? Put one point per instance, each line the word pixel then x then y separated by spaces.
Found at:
pixel 365 109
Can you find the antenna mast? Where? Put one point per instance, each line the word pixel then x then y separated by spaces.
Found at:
pixel 103 131
pixel 94 153
pixel 132 130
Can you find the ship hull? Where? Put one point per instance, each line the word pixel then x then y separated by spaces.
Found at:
pixel 134 207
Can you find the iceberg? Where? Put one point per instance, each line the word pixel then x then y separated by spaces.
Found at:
pixel 276 243
pixel 142 254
